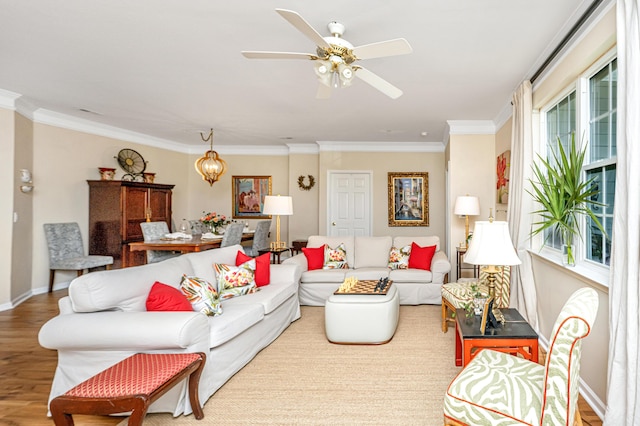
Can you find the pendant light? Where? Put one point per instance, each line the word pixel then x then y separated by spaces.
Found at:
pixel 210 165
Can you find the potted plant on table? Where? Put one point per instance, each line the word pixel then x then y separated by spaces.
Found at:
pixel 557 185
pixel 214 221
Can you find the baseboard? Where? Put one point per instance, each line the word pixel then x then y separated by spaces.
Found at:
pixel 25 296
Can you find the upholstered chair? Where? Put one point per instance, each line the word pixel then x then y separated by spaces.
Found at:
pixel 455 295
pixel 154 231
pixel 260 238
pixel 497 388
pixel 66 251
pixel 232 234
pixel 197 227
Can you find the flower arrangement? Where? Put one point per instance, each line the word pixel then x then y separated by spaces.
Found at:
pixel 214 221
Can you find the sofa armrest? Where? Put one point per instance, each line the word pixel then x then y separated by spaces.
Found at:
pixel 288 273
pixel 300 260
pixel 440 266
pixel 117 330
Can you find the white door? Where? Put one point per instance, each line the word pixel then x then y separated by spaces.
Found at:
pixel 349 203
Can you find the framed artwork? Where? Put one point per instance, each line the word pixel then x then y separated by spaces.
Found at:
pixel 408 198
pixel 247 196
pixel 502 185
pixel 488 319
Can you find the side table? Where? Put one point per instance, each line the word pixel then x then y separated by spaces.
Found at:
pixel 275 253
pixel 515 336
pixel 476 268
pixel 297 245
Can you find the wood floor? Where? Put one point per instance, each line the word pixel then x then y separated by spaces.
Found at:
pixel 26 369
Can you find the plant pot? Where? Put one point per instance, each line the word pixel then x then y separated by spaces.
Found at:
pixel 568 255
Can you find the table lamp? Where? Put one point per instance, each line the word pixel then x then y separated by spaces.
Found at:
pixel 491 245
pixel 466 206
pixel 279 206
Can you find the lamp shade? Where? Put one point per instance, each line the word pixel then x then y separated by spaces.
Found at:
pixel 278 205
pixel 491 245
pixel 467 206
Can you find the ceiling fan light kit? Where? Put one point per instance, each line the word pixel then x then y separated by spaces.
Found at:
pixel 335 56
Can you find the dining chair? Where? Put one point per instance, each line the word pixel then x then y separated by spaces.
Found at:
pixel 232 235
pixel 260 238
pixel 197 227
pixel 499 388
pixel 155 231
pixel 66 251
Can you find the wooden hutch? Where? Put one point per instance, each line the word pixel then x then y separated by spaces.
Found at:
pixel 116 209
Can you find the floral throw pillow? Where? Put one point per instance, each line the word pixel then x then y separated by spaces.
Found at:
pixel 399 257
pixel 335 258
pixel 236 280
pixel 202 295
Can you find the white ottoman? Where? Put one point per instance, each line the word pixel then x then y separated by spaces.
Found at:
pixel 362 318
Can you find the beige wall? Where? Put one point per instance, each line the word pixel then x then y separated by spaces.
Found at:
pixel 22 248
pixel 554 284
pixel 8 181
pixel 503 143
pixel 380 163
pixel 304 221
pixel 63 161
pixel 471 171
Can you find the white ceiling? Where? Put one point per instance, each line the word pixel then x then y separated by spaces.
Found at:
pixel 170 69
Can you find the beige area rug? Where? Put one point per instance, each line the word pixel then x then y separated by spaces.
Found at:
pixel 302 379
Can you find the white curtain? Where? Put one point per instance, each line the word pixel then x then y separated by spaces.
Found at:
pixel 623 392
pixel 523 292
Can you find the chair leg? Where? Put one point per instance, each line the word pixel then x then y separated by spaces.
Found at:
pixel 80 272
pixel 444 318
pixel 52 272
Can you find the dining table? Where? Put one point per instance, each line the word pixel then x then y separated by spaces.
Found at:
pixel 194 244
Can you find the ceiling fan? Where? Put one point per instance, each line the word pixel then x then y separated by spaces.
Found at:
pixel 335 57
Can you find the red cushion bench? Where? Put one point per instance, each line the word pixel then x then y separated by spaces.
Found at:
pixel 131 386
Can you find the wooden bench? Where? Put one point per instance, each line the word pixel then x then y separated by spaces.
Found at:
pixel 131 386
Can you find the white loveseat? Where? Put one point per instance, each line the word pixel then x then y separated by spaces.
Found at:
pixel 368 259
pixel 104 320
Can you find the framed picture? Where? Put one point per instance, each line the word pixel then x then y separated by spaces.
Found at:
pixel 488 319
pixel 408 198
pixel 502 170
pixel 247 196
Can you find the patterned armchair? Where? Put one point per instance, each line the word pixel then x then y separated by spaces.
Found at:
pixel 154 231
pixel 455 295
pixel 66 251
pixel 496 388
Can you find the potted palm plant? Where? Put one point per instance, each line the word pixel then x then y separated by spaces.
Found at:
pixel 557 185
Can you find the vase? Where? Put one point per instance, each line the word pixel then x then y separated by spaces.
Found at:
pixel 568 255
pixel 478 305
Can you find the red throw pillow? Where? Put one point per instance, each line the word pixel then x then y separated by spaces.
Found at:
pixel 263 267
pixel 163 297
pixel 420 257
pixel 315 257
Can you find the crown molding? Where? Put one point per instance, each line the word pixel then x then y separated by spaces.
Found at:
pixel 503 116
pixel 52 118
pixel 350 146
pixel 471 127
pixel 263 150
pixel 303 148
pixel 8 99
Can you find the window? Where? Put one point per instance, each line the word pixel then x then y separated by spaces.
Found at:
pixel 599 104
pixel 602 158
pixel 561 122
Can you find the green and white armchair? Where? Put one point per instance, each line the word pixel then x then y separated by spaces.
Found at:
pixel 497 389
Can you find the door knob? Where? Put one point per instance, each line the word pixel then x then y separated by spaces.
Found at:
pixel 333 224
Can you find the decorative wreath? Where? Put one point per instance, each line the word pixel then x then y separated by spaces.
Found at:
pixel 304 187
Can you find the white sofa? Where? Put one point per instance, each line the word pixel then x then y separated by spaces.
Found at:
pixel 104 320
pixel 368 259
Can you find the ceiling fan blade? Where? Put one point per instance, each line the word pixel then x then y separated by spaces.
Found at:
pixel 324 91
pixel 379 83
pixel 398 46
pixel 304 27
pixel 277 55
